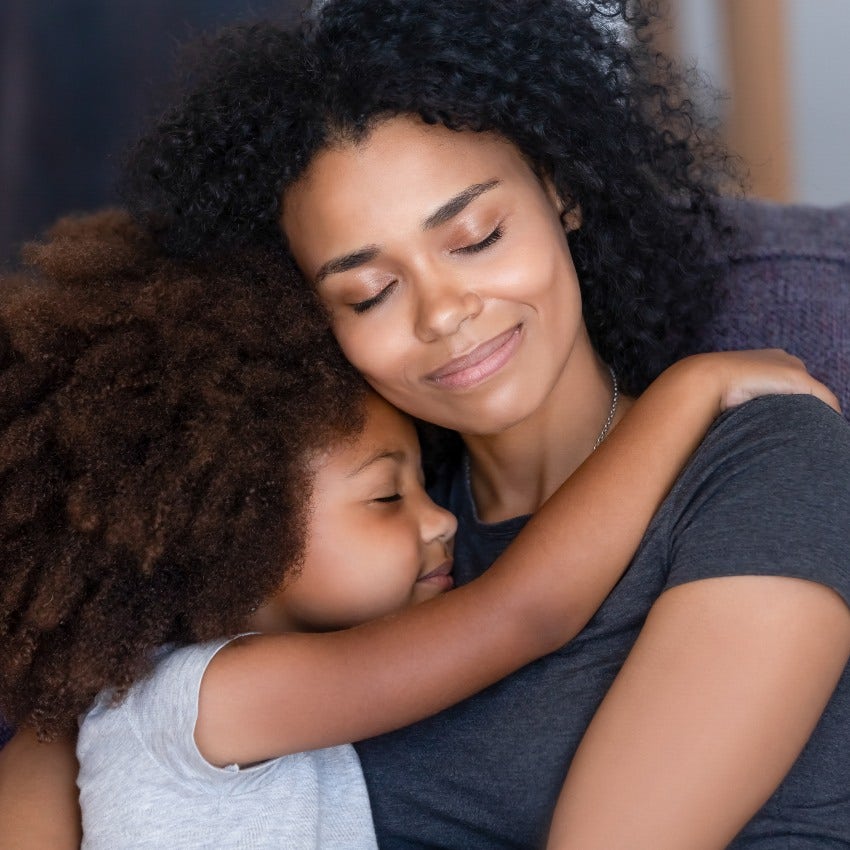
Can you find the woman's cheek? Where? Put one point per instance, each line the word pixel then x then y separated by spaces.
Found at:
pixel 379 349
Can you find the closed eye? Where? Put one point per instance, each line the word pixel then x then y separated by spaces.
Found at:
pixel 396 497
pixel 486 242
pixel 368 303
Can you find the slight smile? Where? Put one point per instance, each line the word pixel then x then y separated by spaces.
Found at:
pixel 481 363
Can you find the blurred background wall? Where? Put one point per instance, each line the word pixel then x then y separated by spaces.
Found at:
pixel 786 69
pixel 79 77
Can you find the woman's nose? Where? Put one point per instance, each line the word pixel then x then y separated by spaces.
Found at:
pixel 443 306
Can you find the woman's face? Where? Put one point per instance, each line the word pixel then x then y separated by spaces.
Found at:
pixel 444 264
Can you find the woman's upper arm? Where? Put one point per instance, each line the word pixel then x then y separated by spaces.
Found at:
pixel 38 795
pixel 719 695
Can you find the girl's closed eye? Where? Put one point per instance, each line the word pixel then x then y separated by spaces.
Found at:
pixel 394 497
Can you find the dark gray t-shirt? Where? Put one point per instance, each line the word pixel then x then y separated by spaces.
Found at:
pixel 767 493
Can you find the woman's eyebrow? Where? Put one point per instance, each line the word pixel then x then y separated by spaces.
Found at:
pixel 347 262
pixel 458 203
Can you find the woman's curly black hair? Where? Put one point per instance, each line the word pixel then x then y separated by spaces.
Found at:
pixel 157 417
pixel 575 85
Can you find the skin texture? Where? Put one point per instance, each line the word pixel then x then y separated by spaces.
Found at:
pixel 368 668
pixel 515 468
pixel 732 704
pixel 607 119
pixel 284 682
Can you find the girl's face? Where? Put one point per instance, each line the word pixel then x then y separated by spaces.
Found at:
pixel 376 542
pixel 444 264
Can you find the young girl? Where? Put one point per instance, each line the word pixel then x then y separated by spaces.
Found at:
pixel 201 497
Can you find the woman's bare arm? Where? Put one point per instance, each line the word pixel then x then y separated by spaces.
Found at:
pixel 39 807
pixel 714 703
pixel 308 691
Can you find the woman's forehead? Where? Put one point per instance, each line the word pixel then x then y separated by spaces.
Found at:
pixel 404 170
pixel 406 147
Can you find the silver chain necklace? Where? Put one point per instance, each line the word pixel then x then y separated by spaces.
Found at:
pixel 615 397
pixel 606 427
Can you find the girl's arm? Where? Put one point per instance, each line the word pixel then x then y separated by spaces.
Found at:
pixel 39 806
pixel 271 695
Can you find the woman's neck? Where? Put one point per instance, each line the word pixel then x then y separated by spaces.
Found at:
pixel 514 472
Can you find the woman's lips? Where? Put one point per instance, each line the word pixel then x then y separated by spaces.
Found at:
pixel 479 364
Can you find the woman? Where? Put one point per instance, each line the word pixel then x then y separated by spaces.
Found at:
pixel 496 203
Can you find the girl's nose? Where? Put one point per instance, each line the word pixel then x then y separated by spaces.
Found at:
pixel 437 523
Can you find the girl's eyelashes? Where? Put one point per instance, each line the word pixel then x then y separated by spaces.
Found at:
pixel 395 497
pixel 494 236
pixel 368 303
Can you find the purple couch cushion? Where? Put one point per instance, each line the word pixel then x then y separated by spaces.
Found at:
pixel 788 286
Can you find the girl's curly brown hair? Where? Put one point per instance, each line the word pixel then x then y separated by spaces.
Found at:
pixel 156 424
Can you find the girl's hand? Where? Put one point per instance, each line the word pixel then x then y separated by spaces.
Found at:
pixel 740 376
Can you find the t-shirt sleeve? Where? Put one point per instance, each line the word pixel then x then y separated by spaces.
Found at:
pixel 162 711
pixel 767 494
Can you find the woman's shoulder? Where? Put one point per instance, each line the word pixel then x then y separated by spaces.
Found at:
pixel 800 422
pixel 793 440
pixel 767 493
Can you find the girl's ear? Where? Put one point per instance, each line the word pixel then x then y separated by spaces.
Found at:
pixel 568 210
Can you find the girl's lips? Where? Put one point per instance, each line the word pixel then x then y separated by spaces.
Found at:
pixel 479 364
pixel 440 577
